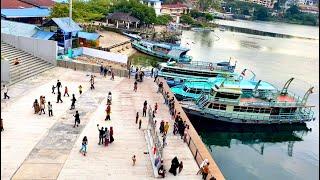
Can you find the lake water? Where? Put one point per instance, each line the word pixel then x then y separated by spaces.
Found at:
pixel 244 153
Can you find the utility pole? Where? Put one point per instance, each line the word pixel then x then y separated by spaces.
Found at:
pixel 70 12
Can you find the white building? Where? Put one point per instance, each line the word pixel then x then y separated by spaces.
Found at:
pixel 156 4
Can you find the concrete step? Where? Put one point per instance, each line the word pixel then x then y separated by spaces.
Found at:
pixel 28 63
pixel 15 80
pixel 13 55
pixel 35 66
pixel 23 61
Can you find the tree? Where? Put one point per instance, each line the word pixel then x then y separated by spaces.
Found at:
pixel 163 19
pixel 186 19
pixel 261 14
pixel 208 17
pixel 294 9
pixel 140 11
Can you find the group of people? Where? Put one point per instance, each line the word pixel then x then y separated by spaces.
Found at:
pixel 108 109
pixel 179 126
pixel 105 135
pixel 106 71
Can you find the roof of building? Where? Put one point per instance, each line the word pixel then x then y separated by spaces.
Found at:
pixel 174 6
pixel 89 36
pixel 151 0
pixel 27 12
pixel 43 35
pixel 309 8
pixel 120 16
pixel 15 4
pixel 17 28
pixel 63 24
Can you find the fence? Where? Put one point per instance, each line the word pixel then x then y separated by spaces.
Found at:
pixel 195 144
pixel 89 67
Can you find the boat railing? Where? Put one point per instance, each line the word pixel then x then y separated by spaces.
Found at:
pixel 275 104
pixel 297 116
pixel 200 65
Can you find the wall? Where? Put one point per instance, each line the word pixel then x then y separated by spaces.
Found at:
pixel 5 73
pixel 105 55
pixel 44 49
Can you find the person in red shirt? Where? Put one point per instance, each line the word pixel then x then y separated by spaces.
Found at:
pixel 66 91
pixel 108 110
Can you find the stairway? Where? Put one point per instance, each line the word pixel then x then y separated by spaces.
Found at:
pixel 29 64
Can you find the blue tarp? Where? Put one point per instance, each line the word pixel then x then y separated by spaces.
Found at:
pixel 43 35
pixel 88 36
pixel 63 24
pixel 26 12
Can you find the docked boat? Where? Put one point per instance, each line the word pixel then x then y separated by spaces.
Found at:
pixel 195 29
pixel 163 50
pixel 193 89
pixel 132 36
pixel 251 103
pixel 176 73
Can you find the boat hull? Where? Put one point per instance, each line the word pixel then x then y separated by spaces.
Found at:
pixel 213 117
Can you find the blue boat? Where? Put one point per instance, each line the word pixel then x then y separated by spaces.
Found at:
pixel 164 51
pixel 177 73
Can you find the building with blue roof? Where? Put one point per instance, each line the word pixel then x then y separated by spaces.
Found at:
pixel 66 31
pixel 27 15
pixel 87 39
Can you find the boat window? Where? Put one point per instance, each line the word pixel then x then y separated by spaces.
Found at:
pixel 210 105
pixel 185 88
pixel 227 95
pixel 223 107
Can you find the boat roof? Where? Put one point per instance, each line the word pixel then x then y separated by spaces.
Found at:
pixel 228 90
pixel 164 45
pixel 198 85
pixel 176 53
pixel 244 84
pixel 199 66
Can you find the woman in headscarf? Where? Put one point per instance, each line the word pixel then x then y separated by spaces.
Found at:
pixel 36 106
pixel 111 135
pixel 174 166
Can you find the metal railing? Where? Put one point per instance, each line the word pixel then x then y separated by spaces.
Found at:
pixel 154 134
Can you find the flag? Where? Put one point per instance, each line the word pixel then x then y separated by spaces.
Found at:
pixel 243 72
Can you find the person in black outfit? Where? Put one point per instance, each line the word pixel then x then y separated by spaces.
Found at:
pixel 58 85
pixel 101 70
pixel 59 97
pixel 161 170
pixel 155 77
pixel 105 71
pixel 151 72
pixel 92 82
pixel 73 101
pixel 76 119
pixel 174 166
pixel 101 134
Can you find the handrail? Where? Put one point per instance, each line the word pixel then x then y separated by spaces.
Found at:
pixel 195 144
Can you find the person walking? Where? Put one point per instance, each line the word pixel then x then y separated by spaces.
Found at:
pixel 205 171
pixel 53 88
pixel 106 136
pixel 1 125
pixel 36 106
pixel 164 138
pixel 65 91
pixel 84 145
pixel 59 97
pixel 204 162
pixel 161 128
pixel 5 92
pixel 151 74
pixel 73 101
pixel 109 100
pixel 140 122
pixel 76 119
pixel 161 170
pixel 133 160
pixel 50 109
pixel 112 75
pixel 155 108
pixel 180 167
pixel 111 134
pixel 101 69
pixel 101 134
pixel 137 117
pixel 108 111
pixel 166 128
pixel 144 111
pixel 105 71
pixel 80 89
pixel 174 166
pixel 135 86
pixel 58 85
pixel 42 105
pixel 91 82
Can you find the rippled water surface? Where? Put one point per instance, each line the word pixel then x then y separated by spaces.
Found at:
pixel 249 153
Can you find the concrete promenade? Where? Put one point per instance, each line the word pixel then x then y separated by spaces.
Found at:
pixel 38 147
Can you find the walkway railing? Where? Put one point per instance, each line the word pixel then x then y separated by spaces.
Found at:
pixel 193 140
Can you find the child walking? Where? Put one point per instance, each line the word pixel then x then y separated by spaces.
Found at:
pixel 84 146
pixel 50 109
pixel 133 160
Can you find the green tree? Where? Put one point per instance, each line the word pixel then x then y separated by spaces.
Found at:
pixel 208 17
pixel 294 9
pixel 144 13
pixel 163 19
pixel 186 19
pixel 261 14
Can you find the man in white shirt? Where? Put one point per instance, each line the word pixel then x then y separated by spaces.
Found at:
pixel 5 91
